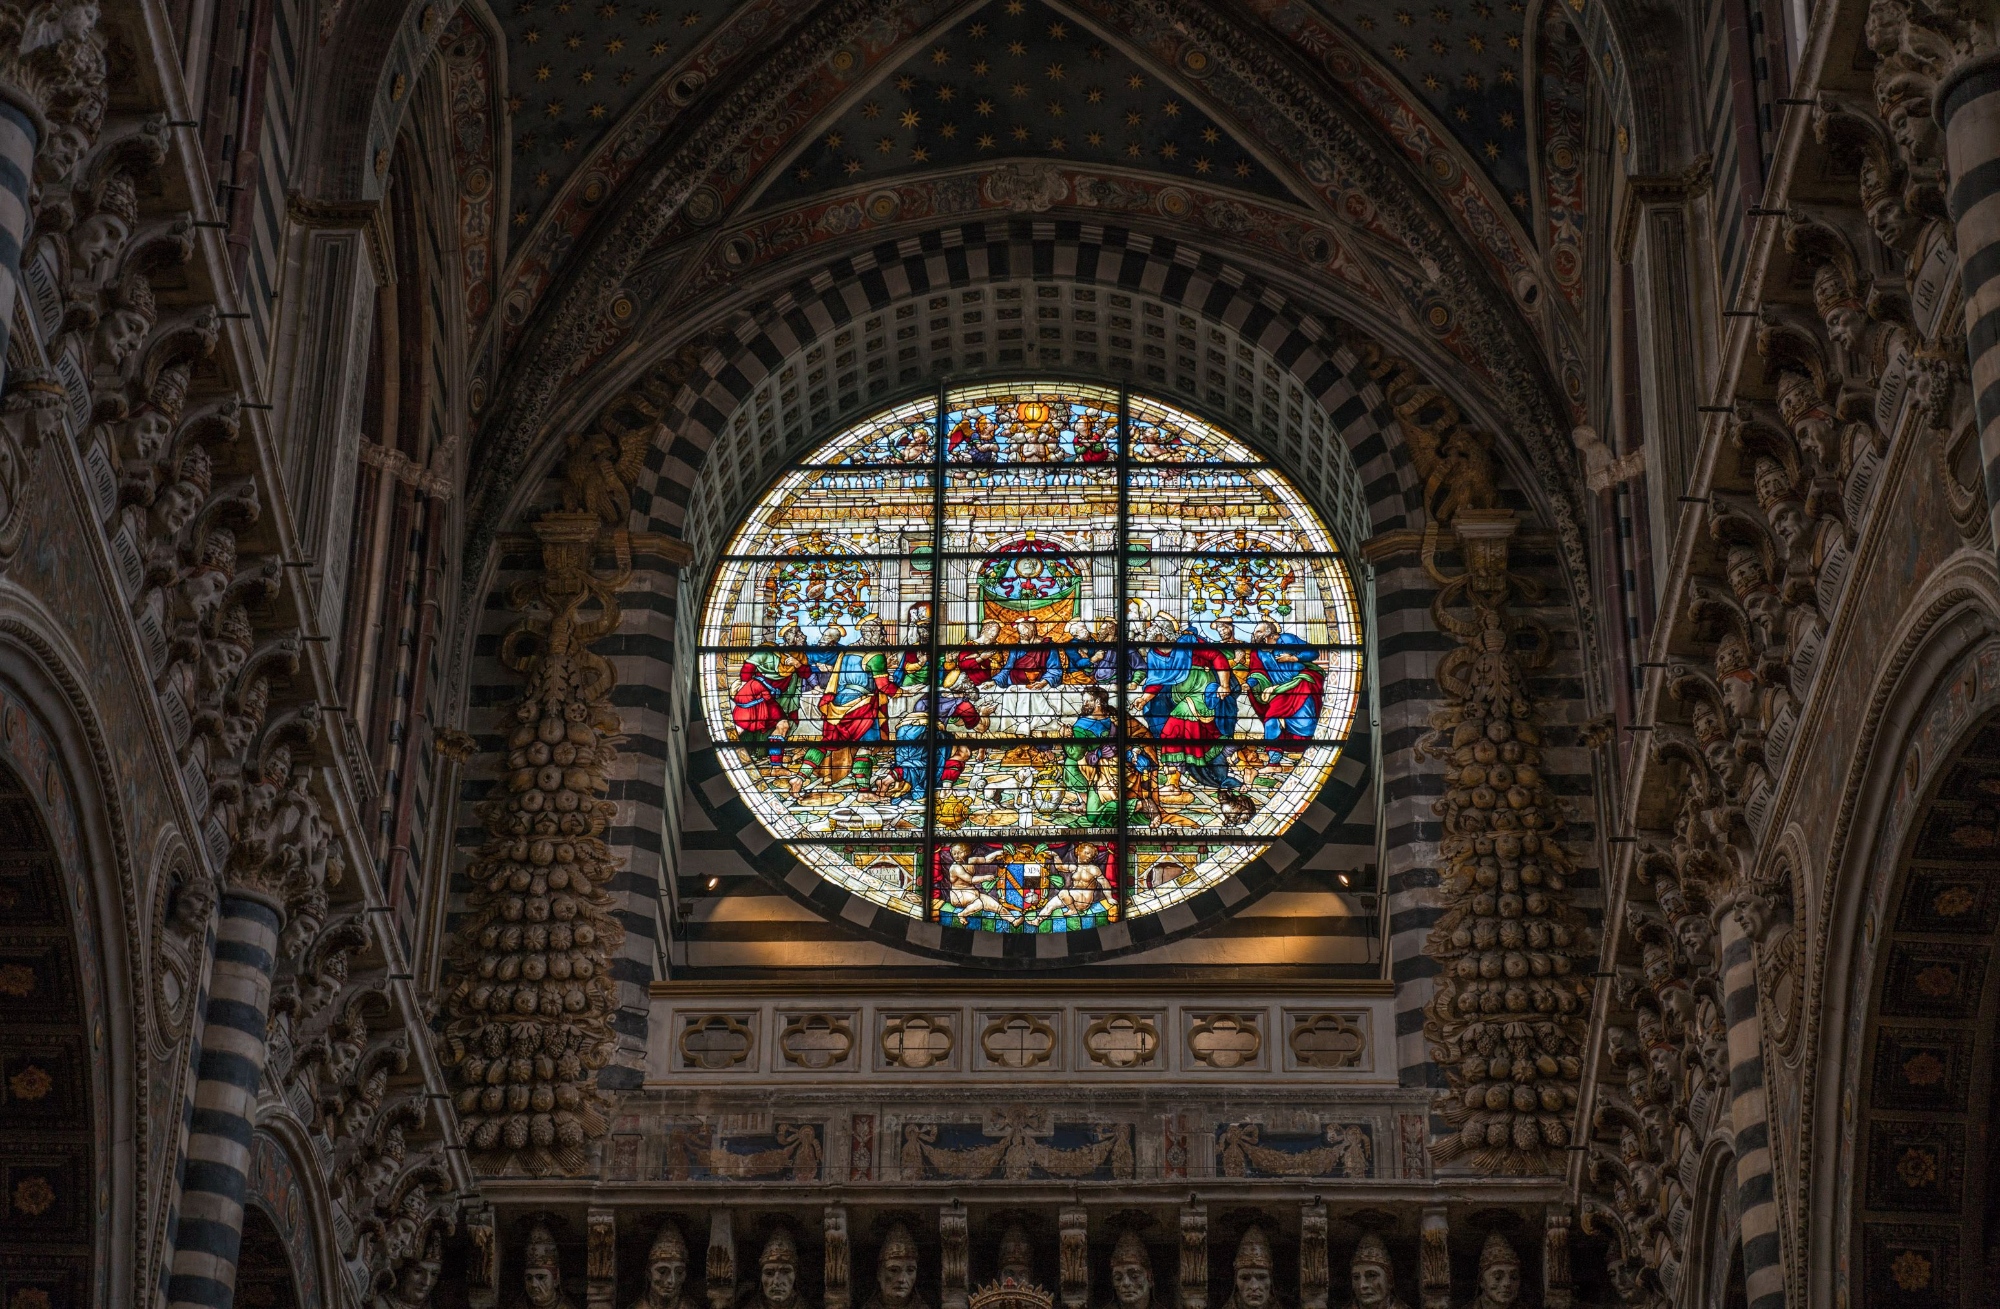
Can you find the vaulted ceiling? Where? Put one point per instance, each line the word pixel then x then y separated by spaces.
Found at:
pixel 1053 85
pixel 1421 162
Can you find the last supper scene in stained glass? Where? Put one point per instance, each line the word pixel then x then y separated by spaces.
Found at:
pixel 1031 657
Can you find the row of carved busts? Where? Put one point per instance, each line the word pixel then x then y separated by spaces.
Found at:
pixel 780 1280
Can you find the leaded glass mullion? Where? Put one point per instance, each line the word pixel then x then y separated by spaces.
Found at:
pixel 933 693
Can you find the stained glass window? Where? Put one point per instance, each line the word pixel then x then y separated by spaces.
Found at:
pixel 1030 658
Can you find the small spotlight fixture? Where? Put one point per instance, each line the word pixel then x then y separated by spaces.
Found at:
pixel 714 882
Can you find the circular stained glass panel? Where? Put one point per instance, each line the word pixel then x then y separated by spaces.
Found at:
pixel 1042 658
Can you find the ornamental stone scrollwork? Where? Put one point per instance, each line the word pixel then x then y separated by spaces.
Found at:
pixel 1507 1021
pixel 529 1018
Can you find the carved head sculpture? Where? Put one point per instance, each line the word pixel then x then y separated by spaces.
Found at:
pixel 1371 1276
pixel 121 331
pixel 59 154
pixel 1253 1270
pixel 193 903
pixel 1131 1272
pixel 1499 1272
pixel 1894 225
pixel 541 1276
pixel 100 237
pixel 667 1266
pixel 419 1276
pixel 778 1269
pixel 1017 1255
pixel 1838 305
pixel 896 1268
pixel 1904 101
pixel 177 503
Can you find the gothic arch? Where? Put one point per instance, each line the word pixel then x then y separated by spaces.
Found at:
pixel 288 1194
pixel 1923 1099
pixel 68 817
pixel 1942 681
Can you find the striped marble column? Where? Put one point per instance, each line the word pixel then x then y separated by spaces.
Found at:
pixel 1756 1190
pixel 210 1231
pixel 1968 109
pixel 17 168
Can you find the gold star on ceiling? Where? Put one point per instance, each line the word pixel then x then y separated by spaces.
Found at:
pixel 1057 31
pixel 657 49
pixel 985 140
pixel 543 72
pixel 572 41
pixel 852 166
pixel 910 118
pixel 532 36
pixel 906 83
pixel 946 94
pixel 984 108
pixel 692 18
pixel 614 45
pixel 940 56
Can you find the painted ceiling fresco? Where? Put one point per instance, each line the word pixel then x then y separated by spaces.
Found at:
pixel 1006 79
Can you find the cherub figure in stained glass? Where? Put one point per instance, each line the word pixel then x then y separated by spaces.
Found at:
pixel 1080 889
pixel 974 440
pixel 970 884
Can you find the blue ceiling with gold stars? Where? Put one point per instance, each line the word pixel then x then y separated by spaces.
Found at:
pixel 1465 60
pixel 1017 78
pixel 574 68
pixel 1014 78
